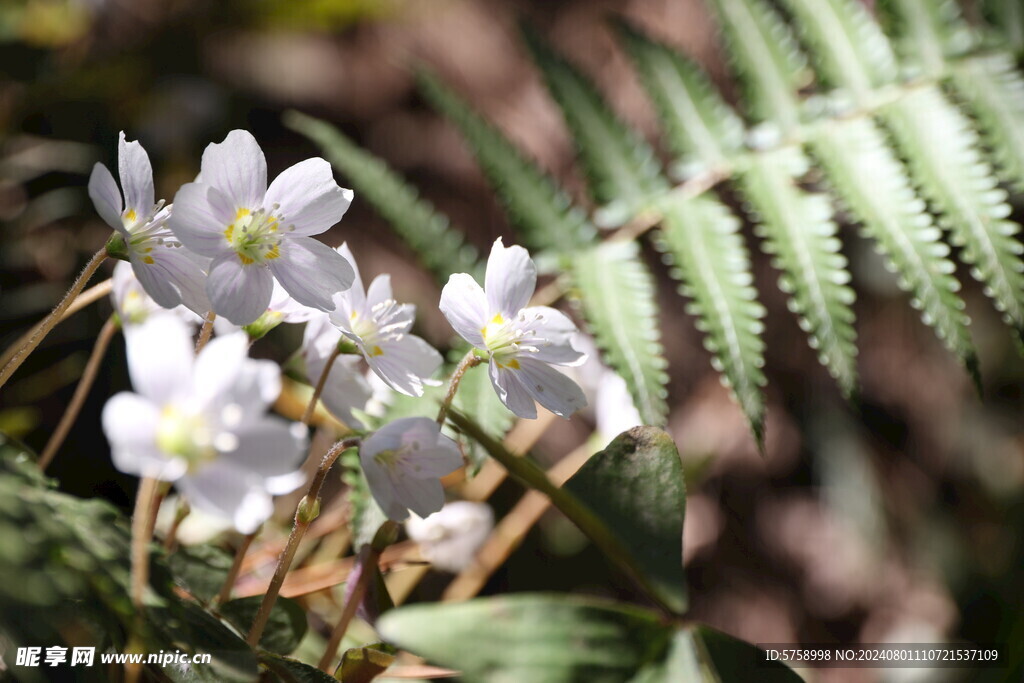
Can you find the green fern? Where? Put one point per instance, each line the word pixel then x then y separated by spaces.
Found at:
pixel 699 127
pixel 440 247
pixel 849 47
pixel 617 296
pixel 1007 17
pixel 622 171
pixel 765 54
pixel 926 32
pixel 701 238
pixel 798 230
pixel 944 159
pixel 544 214
pixel 874 185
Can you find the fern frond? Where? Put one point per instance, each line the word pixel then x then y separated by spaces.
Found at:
pixel 926 32
pixel 767 59
pixel 700 127
pixel 1007 17
pixel 942 153
pixel 700 237
pixel 847 44
pixel 800 233
pixel 545 214
pixel 621 169
pixel 440 247
pixel 993 90
pixel 874 185
pixel 617 296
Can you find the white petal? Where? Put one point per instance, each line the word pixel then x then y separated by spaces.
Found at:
pixel 404 363
pixel 218 366
pixel 353 298
pixel 422 496
pixel 187 272
pixel 130 423
pixel 550 324
pixel 237 168
pixel 308 197
pixel 222 490
pixel 320 338
pixel 435 462
pixel 245 400
pixel 199 219
pixel 464 304
pixel 346 390
pixel 509 387
pixel 291 310
pixel 154 280
pixel 136 176
pixel 269 447
pixel 160 358
pixel 390 436
pixel 383 490
pixel 552 389
pixel 106 197
pixel 510 280
pixel 239 292
pixel 379 291
pixel 311 272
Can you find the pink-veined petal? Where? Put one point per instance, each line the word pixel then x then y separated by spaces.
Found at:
pixel 238 169
pixel 308 197
pixel 465 306
pixel 510 280
pixel 154 280
pixel 311 272
pixel 160 357
pixel 136 176
pixel 106 197
pixel 422 496
pixel 404 363
pixel 383 490
pixel 509 387
pixel 187 272
pixel 199 220
pixel 553 390
pixel 237 291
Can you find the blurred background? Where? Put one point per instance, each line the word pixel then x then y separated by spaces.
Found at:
pixel 899 518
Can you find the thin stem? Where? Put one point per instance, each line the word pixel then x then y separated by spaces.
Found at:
pixel 92 367
pixel 51 320
pixel 307 416
pixel 304 516
pixel 206 331
pixel 368 559
pixel 229 582
pixel 182 512
pixel 142 533
pixel 468 361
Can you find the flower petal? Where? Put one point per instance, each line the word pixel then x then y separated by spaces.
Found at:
pixel 130 423
pixel 136 176
pixel 422 496
pixel 312 272
pixel 354 298
pixel 160 358
pixel 345 390
pixel 552 389
pixel 239 292
pixel 511 391
pixel 464 304
pixel 187 272
pixel 153 280
pixel 106 197
pixel 223 490
pixel 217 368
pixel 269 447
pixel 379 291
pixel 199 219
pixel 404 363
pixel 238 169
pixel 308 197
pixel 382 489
pixel 510 280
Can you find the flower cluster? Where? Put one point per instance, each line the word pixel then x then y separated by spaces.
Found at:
pixel 233 248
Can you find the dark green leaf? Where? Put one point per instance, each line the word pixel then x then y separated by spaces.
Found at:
pixel 186 626
pixel 290 670
pixel 200 569
pixel 283 632
pixel 700 654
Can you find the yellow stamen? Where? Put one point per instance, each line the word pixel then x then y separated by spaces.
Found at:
pixel 376 351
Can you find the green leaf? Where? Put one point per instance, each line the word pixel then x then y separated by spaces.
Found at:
pixel 926 32
pixel 702 654
pixel 291 670
pixel 699 126
pixel 635 486
pixel 284 630
pixel 700 237
pixel 363 664
pixel 992 89
pixel 440 247
pixel 847 44
pixel 621 168
pixel 530 637
pixel 617 296
pixel 544 214
pixel 873 183
pixel 767 59
pixel 942 153
pixel 800 234
pixel 187 627
pixel 200 569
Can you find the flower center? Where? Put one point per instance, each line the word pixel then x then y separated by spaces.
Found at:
pixel 185 435
pixel 254 236
pixel 401 459
pixel 501 339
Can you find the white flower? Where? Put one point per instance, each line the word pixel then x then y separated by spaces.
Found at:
pixel 256 234
pixel 522 342
pixel 404 461
pixel 281 309
pixel 346 389
pixel 170 274
pixel 379 326
pixel 450 539
pixel 133 305
pixel 200 422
